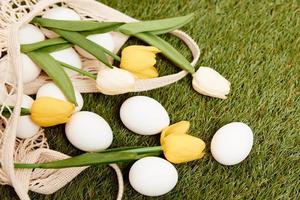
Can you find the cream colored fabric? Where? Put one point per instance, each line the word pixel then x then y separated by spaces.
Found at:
pixel 13 14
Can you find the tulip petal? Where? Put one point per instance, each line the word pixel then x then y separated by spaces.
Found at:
pixel 180 148
pixel 147 73
pixel 136 58
pixel 114 81
pixel 209 82
pixel 148 48
pixel 143 48
pixel 181 127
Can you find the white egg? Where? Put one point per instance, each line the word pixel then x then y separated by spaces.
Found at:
pixel 30 70
pixel 58 13
pixel 104 39
pixel 29 33
pixel 232 143
pixel 153 176
pixel 27 101
pixel 144 115
pixel 51 90
pixel 26 127
pixel 61 13
pixel 88 131
pixel 68 56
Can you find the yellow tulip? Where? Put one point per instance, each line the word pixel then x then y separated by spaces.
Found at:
pixel 140 61
pixel 178 146
pixel 48 111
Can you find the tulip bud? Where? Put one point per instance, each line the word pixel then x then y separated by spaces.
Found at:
pixel 140 61
pixel 209 82
pixel 48 111
pixel 114 81
pixel 178 146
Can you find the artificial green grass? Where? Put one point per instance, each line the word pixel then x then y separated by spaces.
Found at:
pixel 253 44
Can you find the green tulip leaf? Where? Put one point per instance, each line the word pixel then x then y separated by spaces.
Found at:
pixel 54 48
pixel 46 43
pixel 55 72
pixel 156 26
pixel 91 47
pixel 101 30
pixel 71 25
pixel 167 50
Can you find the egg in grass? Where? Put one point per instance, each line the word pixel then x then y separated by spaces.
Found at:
pixel 232 143
pixel 153 176
pixel 144 115
pixel 88 131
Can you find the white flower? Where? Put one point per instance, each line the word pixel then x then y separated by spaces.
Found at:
pixel 209 82
pixel 113 81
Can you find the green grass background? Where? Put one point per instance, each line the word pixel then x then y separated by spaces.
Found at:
pixel 254 44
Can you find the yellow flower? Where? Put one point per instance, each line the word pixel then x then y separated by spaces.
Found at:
pixel 48 111
pixel 178 146
pixel 140 61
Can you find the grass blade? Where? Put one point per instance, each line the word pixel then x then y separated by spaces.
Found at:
pixel 55 72
pixel 89 46
pixel 167 50
pixel 70 25
pixel 46 43
pixel 155 26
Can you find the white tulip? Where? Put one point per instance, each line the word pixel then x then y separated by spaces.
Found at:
pixel 113 81
pixel 209 82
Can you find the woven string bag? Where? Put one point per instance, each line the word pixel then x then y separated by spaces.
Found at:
pixel 14 14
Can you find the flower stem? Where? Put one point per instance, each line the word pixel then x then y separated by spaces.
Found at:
pixel 145 149
pixel 80 71
pixel 7 110
pixel 105 157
